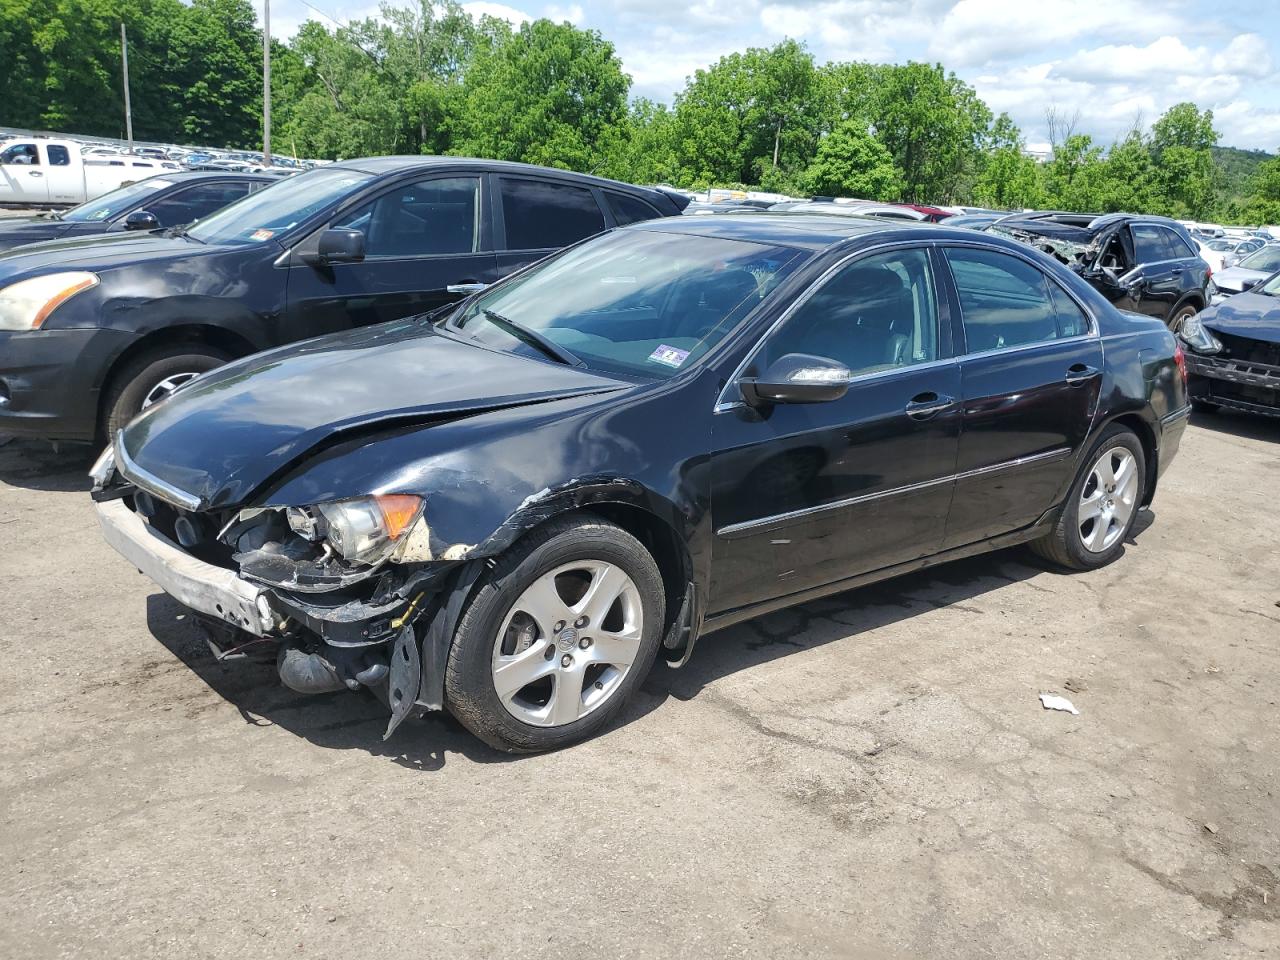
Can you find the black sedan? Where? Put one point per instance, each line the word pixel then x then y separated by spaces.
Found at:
pixel 94 329
pixel 509 508
pixel 1234 351
pixel 168 200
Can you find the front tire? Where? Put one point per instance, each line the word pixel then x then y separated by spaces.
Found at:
pixel 557 636
pixel 151 377
pixel 1102 505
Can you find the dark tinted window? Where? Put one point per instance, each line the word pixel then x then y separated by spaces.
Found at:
pixel 59 156
pixel 1179 245
pixel 628 209
pixel 1072 321
pixel 1151 244
pixel 1004 301
pixel 540 214
pixel 429 218
pixel 187 206
pixel 876 314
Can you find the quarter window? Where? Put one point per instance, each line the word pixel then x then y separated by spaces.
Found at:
pixel 1006 302
pixel 630 209
pixel 540 214
pixel 428 218
pixel 876 314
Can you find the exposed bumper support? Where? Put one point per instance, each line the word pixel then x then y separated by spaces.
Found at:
pixel 201 586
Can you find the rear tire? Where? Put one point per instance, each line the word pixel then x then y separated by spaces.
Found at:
pixel 145 377
pixel 1102 506
pixel 560 682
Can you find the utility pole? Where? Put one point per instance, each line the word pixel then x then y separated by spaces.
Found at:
pixel 266 82
pixel 124 67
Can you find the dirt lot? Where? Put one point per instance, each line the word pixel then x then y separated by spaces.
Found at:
pixel 869 776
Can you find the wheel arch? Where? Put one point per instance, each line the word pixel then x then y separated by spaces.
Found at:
pixel 1146 435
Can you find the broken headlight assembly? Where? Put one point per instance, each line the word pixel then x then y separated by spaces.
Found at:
pixel 365 530
pixel 1199 339
pixel 323 546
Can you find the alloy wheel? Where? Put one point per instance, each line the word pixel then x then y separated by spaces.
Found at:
pixel 567 643
pixel 166 387
pixel 1108 499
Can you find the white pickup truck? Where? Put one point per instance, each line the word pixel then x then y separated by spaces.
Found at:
pixel 39 172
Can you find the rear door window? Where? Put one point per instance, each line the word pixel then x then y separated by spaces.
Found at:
pixel 541 214
pixel 59 156
pixel 1150 244
pixel 1004 301
pixel 1178 244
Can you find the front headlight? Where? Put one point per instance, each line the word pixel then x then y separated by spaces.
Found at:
pixel 26 305
pixel 364 530
pixel 1199 339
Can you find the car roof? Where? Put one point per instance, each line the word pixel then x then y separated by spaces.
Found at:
pixel 802 231
pixel 393 164
pixel 188 176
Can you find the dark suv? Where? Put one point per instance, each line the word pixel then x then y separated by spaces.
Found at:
pixel 1144 264
pixel 92 330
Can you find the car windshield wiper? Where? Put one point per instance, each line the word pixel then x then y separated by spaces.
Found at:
pixel 532 337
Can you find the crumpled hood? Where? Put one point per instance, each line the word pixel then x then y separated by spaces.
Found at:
pixel 223 436
pixel 1252 315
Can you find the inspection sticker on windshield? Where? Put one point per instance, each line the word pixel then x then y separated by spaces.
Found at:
pixel 669 356
pixel 262 235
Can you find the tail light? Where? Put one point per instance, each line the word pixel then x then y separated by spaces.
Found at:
pixel 1180 359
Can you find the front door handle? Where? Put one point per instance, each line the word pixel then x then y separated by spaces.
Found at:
pixel 467 287
pixel 1079 374
pixel 34 173
pixel 924 406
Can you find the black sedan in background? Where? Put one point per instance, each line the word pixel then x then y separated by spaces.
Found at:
pixel 508 509
pixel 169 200
pixel 92 330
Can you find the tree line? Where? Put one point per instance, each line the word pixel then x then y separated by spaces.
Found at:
pixel 430 78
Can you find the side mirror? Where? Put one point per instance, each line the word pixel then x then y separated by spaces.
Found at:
pixel 798 378
pixel 341 245
pixel 1247 285
pixel 141 220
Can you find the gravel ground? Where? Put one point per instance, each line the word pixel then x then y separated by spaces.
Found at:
pixel 868 776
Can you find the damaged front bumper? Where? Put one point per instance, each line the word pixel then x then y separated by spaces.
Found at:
pixel 203 587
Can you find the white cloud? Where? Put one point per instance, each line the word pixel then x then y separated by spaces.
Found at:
pixel 481 8
pixel 572 13
pixel 978 32
pixel 1246 55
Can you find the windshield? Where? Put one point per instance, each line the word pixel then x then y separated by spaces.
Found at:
pixel 1267 259
pixel 278 208
pixel 636 302
pixel 1221 245
pixel 117 201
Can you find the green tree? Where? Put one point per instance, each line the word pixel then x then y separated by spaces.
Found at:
pixel 546 94
pixel 1008 179
pixel 852 163
pixel 933 124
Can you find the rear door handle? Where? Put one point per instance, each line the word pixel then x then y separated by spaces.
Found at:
pixel 924 406
pixel 467 288
pixel 1081 373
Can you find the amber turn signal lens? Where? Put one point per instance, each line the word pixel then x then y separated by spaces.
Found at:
pixel 66 293
pixel 398 511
